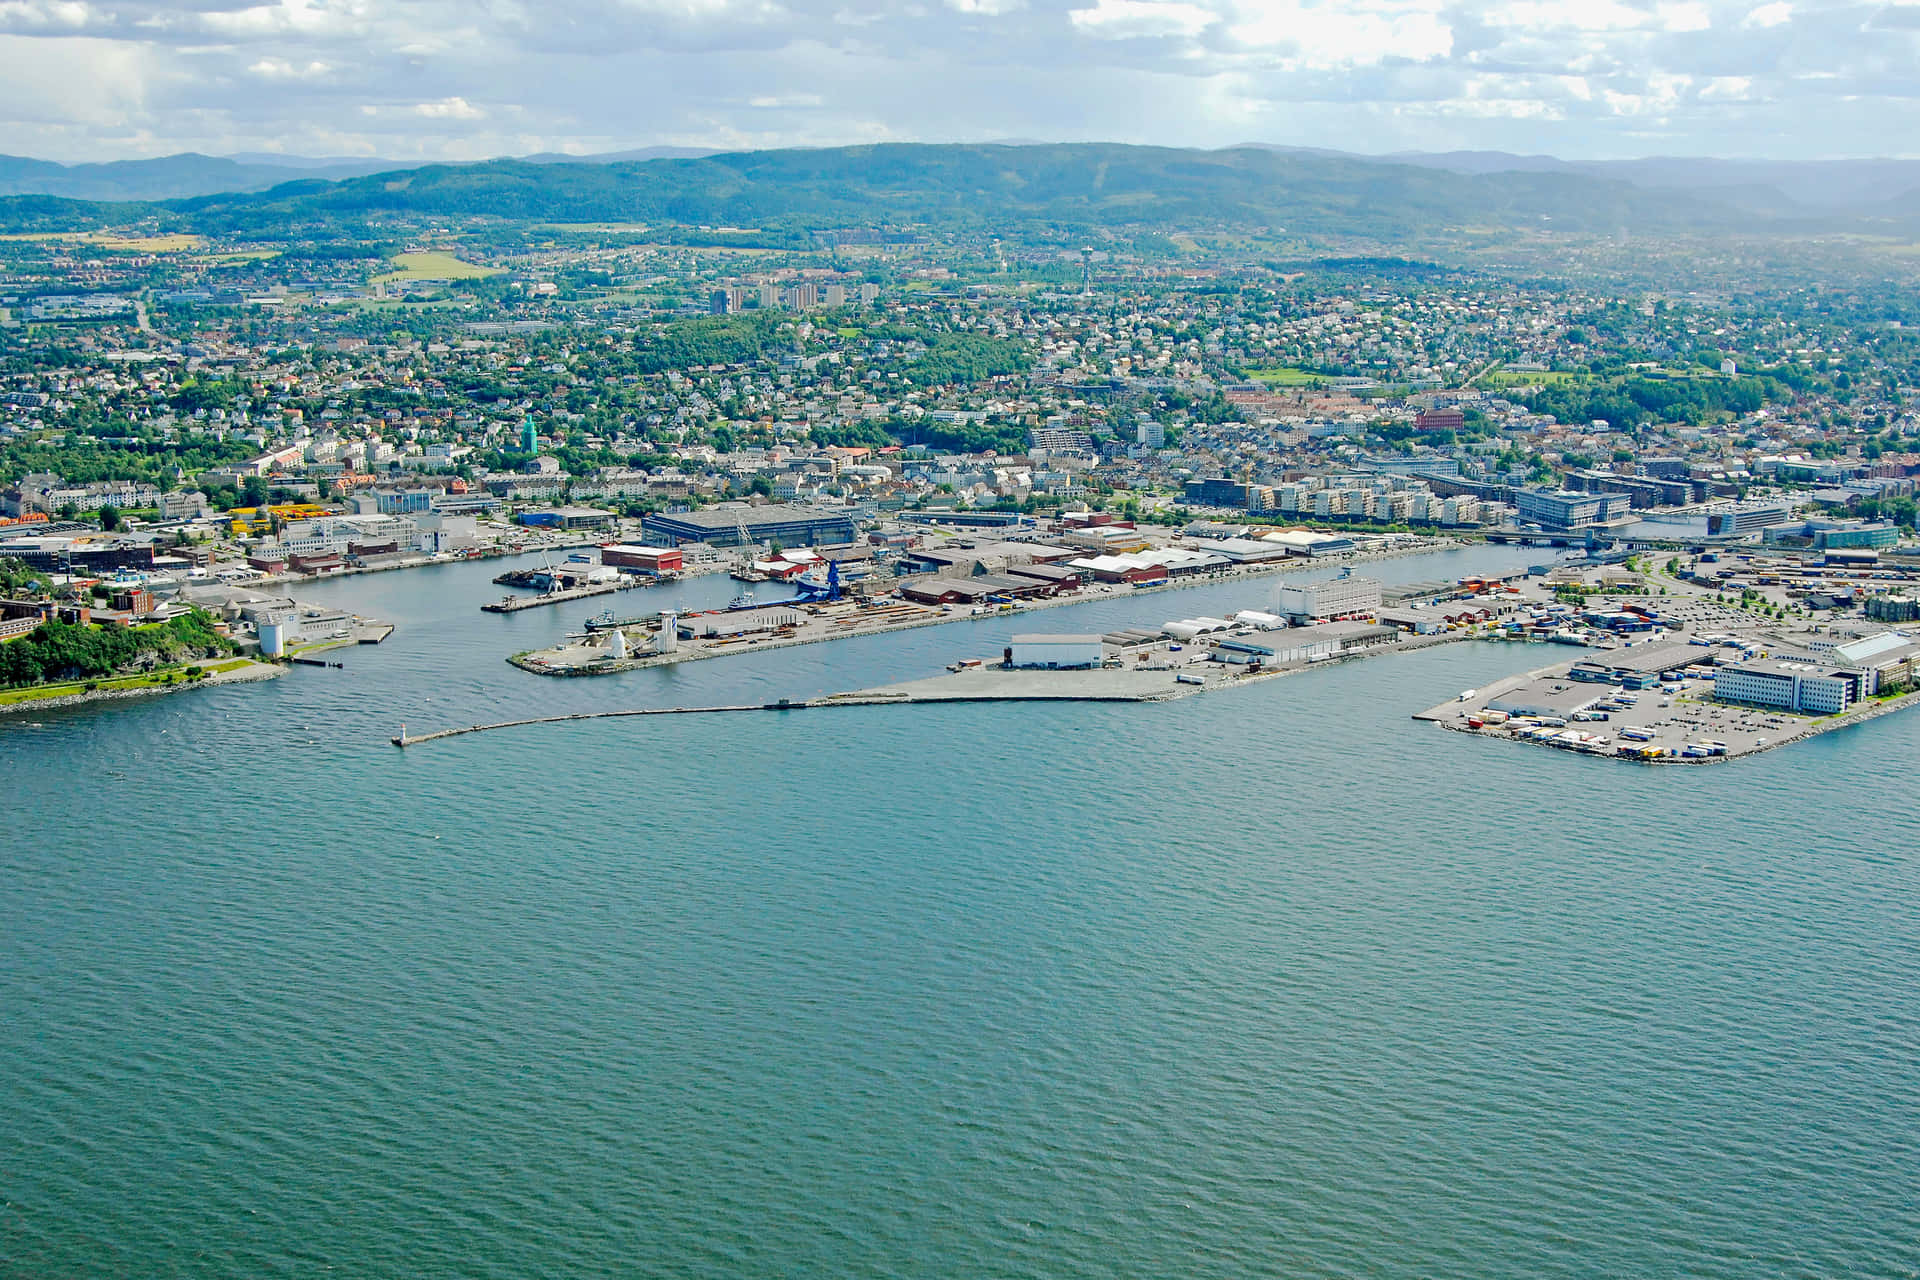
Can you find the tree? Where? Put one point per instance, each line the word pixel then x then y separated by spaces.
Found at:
pixel 109 517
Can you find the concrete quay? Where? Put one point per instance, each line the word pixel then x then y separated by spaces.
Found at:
pixel 514 604
pixel 1675 723
pixel 1165 678
pixel 835 622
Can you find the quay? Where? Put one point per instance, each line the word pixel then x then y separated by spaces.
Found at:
pixel 1677 720
pixel 514 604
pixel 1160 673
pixel 813 623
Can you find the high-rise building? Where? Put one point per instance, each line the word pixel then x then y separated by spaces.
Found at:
pixel 1152 434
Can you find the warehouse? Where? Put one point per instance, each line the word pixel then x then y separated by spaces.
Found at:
pixel 1337 598
pixel 1546 697
pixel 1062 652
pixel 1248 550
pixel 739 622
pixel 1062 578
pixel 1241 652
pixel 790 524
pixel 1305 542
pixel 626 555
pixel 975 590
pixel 1138 570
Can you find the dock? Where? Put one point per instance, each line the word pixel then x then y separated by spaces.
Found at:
pixel 514 604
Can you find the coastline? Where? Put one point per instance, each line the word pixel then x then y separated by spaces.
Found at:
pixel 530 661
pixel 1067 686
pixel 251 673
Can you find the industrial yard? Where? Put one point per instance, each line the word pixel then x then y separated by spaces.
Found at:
pixel 1686 703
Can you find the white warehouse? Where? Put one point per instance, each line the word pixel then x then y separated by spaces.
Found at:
pixel 1058 651
pixel 1337 598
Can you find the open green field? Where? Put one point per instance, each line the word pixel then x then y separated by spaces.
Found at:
pixel 1503 378
pixel 148 680
pixel 114 240
pixel 434 266
pixel 1285 377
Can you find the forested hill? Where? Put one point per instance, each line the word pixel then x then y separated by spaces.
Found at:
pixel 957 187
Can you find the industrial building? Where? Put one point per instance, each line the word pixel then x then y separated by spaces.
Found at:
pixel 789 523
pixel 1308 542
pixel 1140 570
pixel 739 622
pixel 1791 686
pixel 627 555
pixel 1063 652
pixel 1335 598
pixel 980 588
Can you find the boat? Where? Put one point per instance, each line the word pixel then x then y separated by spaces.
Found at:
pixel 744 600
pixel 607 621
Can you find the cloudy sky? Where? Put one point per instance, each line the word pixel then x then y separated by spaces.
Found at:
pixel 458 79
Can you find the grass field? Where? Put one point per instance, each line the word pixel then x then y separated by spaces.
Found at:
pixel 1285 377
pixel 150 680
pixel 434 266
pixel 112 240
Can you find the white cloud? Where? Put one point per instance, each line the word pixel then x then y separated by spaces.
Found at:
pixel 1328 35
pixel 1577 77
pixel 44 15
pixel 1688 16
pixel 1132 19
pixel 281 69
pixel 455 108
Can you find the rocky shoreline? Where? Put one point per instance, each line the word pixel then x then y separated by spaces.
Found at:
pixel 253 671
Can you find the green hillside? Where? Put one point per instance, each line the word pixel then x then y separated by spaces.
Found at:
pixel 952 187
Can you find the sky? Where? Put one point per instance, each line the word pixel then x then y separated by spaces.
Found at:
pixel 467 79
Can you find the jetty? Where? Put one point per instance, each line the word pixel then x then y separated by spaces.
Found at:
pixel 514 604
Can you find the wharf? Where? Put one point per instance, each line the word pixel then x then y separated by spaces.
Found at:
pixel 827 622
pixel 1658 727
pixel 514 604
pixel 1139 683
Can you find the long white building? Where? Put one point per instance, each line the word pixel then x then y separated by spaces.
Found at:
pixel 1336 598
pixel 1791 686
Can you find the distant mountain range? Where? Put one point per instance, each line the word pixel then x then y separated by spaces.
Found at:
pixel 189 174
pixel 167 178
pixel 1319 194
pixel 1771 188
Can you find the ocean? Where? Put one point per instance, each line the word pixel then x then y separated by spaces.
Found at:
pixel 1272 981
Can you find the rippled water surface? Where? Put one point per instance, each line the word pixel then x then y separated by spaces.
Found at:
pixel 1270 982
